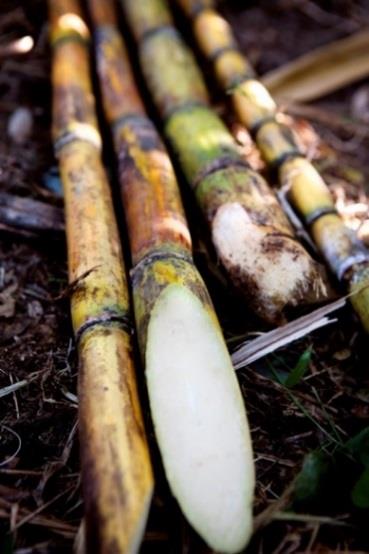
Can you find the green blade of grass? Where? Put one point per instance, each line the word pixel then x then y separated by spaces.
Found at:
pixel 300 369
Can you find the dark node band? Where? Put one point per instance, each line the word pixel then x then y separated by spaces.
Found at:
pixel 135 119
pixel 255 128
pixel 70 36
pixel 217 165
pixel 342 266
pixel 197 9
pixel 158 255
pixel 106 319
pixel 239 80
pixel 160 29
pixel 107 30
pixel 146 134
pixel 276 164
pixel 184 107
pixel 215 54
pixel 73 136
pixel 320 212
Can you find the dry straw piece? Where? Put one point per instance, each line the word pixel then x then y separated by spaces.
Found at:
pixel 344 253
pixel 321 71
pixel 196 404
pixel 251 234
pixel 116 471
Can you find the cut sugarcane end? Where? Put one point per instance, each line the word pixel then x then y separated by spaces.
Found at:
pixel 271 268
pixel 200 419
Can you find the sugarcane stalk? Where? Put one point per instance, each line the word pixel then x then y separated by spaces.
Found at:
pixel 251 235
pixel 116 471
pixel 307 192
pixel 196 404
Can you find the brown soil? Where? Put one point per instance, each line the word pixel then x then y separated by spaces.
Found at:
pixel 40 502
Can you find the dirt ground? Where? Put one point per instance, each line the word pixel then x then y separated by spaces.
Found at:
pixel 326 509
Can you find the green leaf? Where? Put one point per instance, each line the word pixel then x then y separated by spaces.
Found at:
pixel 278 375
pixel 309 481
pixel 360 492
pixel 300 369
pixel 358 446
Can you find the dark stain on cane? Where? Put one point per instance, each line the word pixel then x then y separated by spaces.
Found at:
pixel 147 136
pixel 127 386
pixel 72 104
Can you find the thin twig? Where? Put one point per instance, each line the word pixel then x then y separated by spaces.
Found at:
pixel 12 432
pixel 30 516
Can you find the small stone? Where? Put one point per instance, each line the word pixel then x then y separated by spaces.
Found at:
pixel 360 104
pixel 20 125
pixel 341 355
pixel 34 309
pixel 51 180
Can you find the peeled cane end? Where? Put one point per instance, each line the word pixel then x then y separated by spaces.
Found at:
pixel 200 419
pixel 272 269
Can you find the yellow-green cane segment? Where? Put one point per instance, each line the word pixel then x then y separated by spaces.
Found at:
pixel 116 470
pixel 310 197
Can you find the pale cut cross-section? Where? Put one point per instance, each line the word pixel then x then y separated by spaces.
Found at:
pixel 200 419
pixel 273 266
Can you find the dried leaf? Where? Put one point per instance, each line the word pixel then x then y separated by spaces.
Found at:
pixel 321 71
pixel 269 342
pixel 26 214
